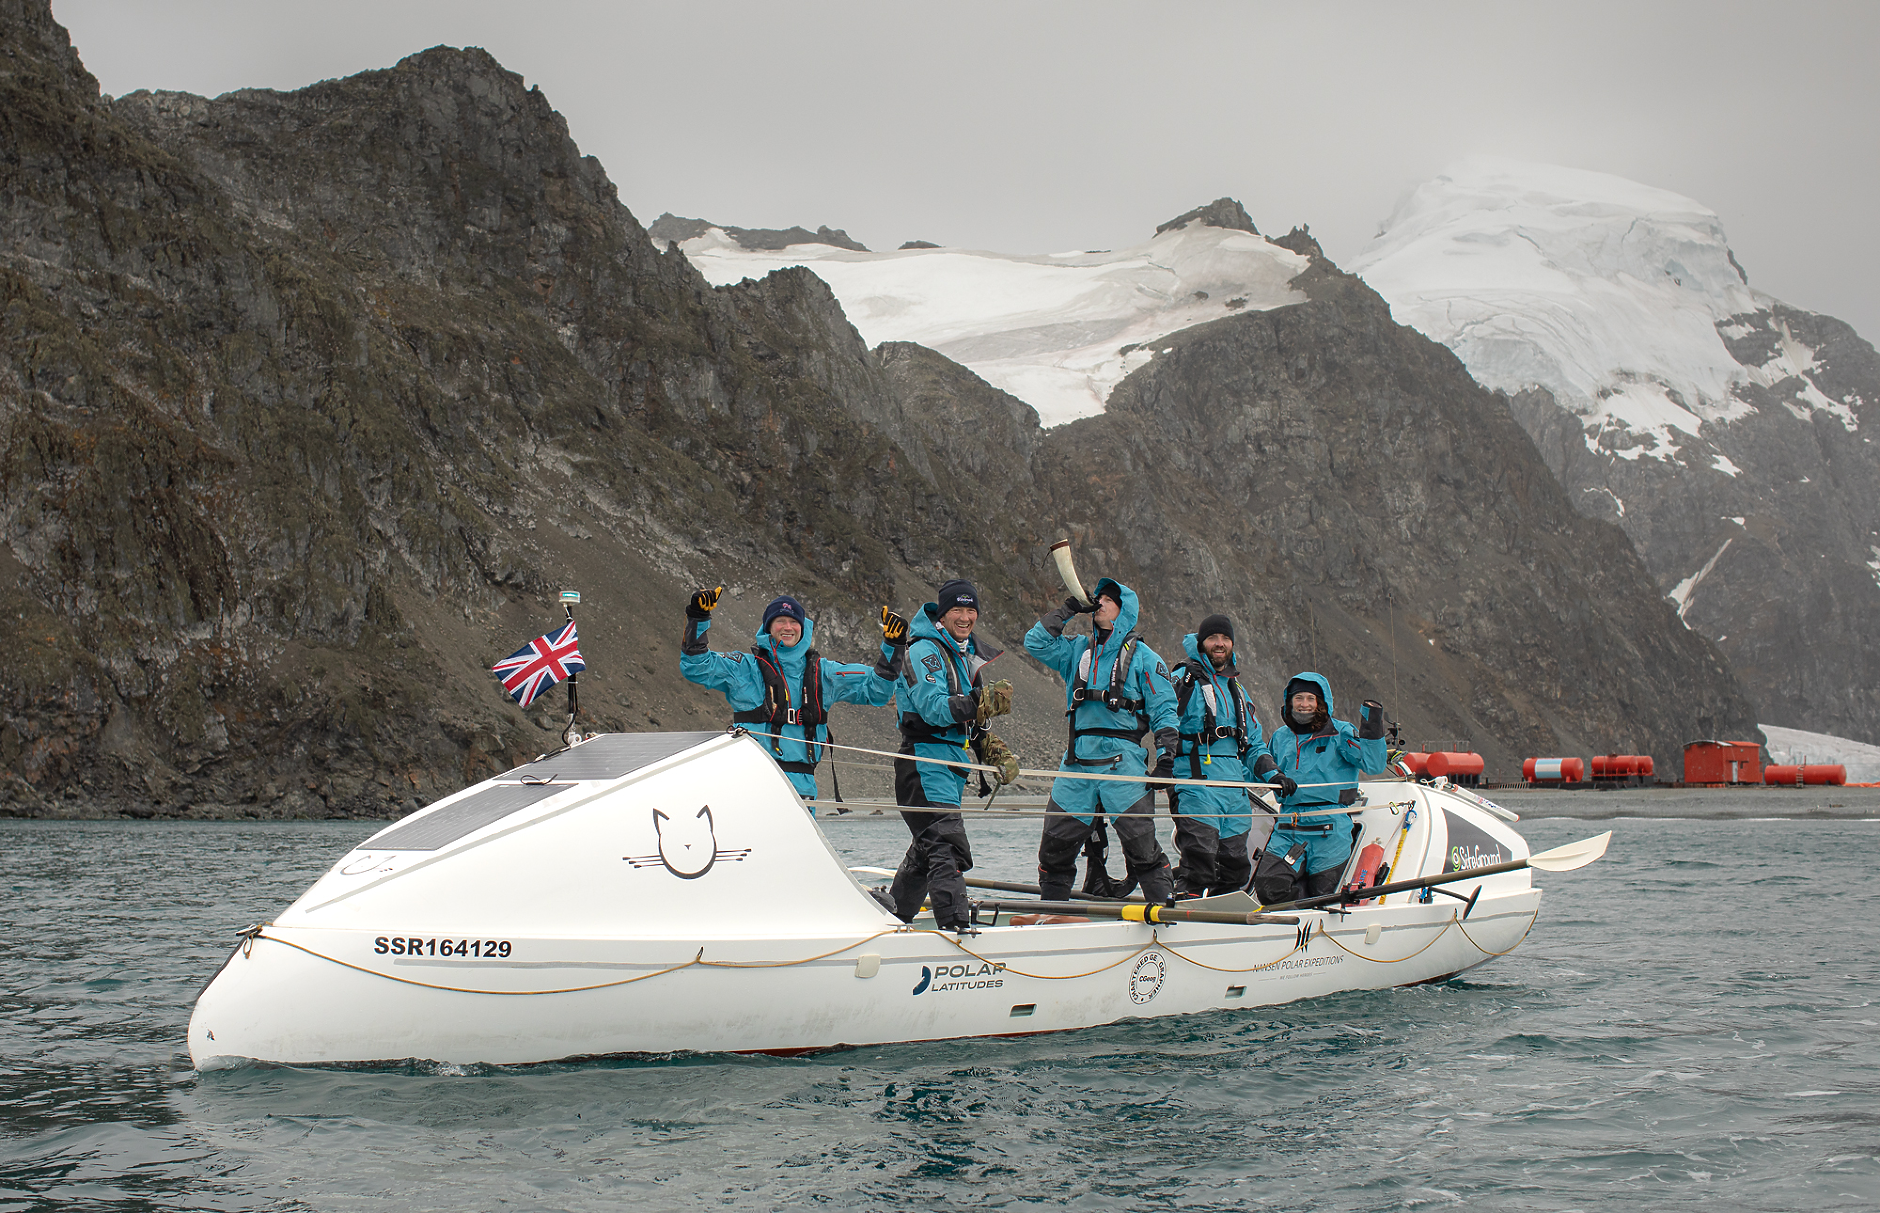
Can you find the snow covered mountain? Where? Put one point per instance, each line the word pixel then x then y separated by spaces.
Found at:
pixel 1729 434
pixel 1056 330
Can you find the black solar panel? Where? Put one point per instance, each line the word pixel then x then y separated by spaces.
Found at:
pixel 453 821
pixel 610 756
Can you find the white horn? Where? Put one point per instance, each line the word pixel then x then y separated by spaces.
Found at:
pixel 1061 553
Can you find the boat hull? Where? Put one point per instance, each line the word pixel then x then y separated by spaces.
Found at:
pixel 313 997
pixel 660 895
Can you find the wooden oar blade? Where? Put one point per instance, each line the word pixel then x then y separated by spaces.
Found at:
pixel 1573 855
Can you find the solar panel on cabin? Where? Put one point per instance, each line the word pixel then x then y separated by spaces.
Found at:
pixel 453 821
pixel 610 756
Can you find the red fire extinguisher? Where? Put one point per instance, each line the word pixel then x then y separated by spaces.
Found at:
pixel 1368 861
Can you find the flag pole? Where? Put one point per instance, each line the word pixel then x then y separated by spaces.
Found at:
pixel 572 734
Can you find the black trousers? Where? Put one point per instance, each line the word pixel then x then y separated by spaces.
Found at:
pixel 936 861
pixel 1275 880
pixel 1064 837
pixel 1210 865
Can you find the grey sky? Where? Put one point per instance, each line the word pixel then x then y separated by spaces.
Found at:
pixel 1049 126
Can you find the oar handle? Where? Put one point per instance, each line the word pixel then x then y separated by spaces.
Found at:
pixel 1138 912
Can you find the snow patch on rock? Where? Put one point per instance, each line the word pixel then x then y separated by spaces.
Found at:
pixel 1056 330
pixel 1682 592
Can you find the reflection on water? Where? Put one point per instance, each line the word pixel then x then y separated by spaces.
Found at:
pixel 1679 1029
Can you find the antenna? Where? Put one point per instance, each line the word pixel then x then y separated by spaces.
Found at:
pixel 571 735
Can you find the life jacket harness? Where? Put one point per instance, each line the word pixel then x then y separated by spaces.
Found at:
pixel 1112 698
pixel 962 733
pixel 1200 676
pixel 780 709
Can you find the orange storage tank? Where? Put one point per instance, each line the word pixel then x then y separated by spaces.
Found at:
pixel 1456 766
pixel 1419 764
pixel 1815 774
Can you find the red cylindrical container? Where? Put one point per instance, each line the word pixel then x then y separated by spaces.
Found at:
pixel 1443 762
pixel 1553 770
pixel 1419 764
pixel 1817 774
pixel 1644 766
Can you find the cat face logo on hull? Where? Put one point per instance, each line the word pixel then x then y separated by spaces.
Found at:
pixel 688 847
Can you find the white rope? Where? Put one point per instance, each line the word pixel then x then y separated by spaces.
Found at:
pixel 1040 773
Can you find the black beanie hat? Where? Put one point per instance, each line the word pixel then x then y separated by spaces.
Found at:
pixel 1215 625
pixel 957 593
pixel 783 606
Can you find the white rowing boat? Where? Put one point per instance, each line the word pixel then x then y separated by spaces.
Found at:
pixel 659 892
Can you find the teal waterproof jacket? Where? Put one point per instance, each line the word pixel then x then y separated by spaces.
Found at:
pixel 737 678
pixel 1326 766
pixel 1226 758
pixel 1103 740
pixel 934 700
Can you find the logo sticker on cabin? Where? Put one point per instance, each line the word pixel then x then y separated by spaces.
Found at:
pixel 688 845
pixel 1470 847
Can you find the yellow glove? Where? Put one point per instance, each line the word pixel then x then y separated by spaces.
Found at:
pixel 893 627
pixel 1000 755
pixel 700 607
pixel 995 700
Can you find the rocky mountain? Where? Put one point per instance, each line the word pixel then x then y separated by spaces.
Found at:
pixel 1729 434
pixel 310 401
pixel 670 227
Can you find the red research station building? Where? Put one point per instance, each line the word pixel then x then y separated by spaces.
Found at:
pixel 1721 762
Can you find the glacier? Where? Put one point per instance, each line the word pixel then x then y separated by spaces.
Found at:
pixel 1614 297
pixel 1056 330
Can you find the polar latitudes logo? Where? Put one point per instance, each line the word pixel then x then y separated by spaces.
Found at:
pixel 943 978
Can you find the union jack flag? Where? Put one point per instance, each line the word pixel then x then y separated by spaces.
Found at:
pixel 539 665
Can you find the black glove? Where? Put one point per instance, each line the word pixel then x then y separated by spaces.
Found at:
pixel 1287 785
pixel 701 604
pixel 893 627
pixel 964 707
pixel 1371 721
pixel 1076 607
pixel 1164 769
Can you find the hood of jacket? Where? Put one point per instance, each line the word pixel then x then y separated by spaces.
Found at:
pixel 792 659
pixel 1318 680
pixel 1125 618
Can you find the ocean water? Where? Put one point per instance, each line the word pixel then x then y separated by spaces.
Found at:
pixel 1692 1024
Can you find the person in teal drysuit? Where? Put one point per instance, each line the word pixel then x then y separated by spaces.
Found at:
pixel 944 705
pixel 765 687
pixel 1221 739
pixel 1116 689
pixel 1318 760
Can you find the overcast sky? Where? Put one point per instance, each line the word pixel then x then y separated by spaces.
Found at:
pixel 1050 126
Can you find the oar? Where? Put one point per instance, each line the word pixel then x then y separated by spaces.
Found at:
pixel 1138 912
pixel 1560 859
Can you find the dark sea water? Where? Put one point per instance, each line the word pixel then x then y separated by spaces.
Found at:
pixel 1691 1025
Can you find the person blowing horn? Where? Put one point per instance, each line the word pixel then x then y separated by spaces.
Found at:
pixel 1116 689
pixel 783 687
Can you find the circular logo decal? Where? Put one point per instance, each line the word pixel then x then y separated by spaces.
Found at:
pixel 1146 979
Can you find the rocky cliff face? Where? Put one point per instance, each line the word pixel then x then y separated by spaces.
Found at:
pixel 1728 434
pixel 309 402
